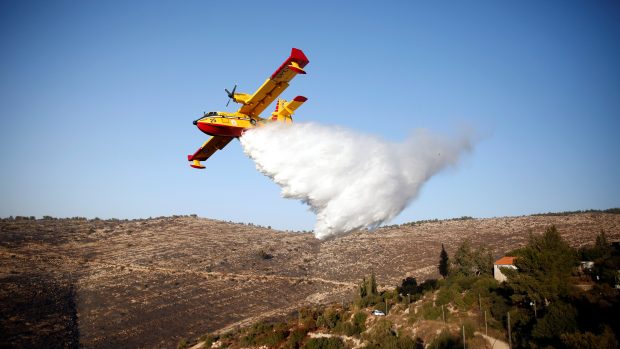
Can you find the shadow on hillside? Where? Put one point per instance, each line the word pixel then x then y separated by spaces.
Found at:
pixel 37 311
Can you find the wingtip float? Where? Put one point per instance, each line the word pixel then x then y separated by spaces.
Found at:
pixel 224 126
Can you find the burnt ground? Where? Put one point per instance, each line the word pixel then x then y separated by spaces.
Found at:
pixel 149 283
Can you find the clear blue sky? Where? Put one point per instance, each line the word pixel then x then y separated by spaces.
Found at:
pixel 97 100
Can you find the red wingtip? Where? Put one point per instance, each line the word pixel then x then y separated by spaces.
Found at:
pixel 190 157
pixel 298 56
pixel 300 99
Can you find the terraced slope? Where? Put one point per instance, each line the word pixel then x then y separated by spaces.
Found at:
pixel 148 283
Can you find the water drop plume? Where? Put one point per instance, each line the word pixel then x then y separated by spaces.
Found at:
pixel 349 180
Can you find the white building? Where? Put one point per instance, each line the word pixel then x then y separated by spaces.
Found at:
pixel 504 262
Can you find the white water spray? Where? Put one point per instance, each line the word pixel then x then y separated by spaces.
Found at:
pixel 349 180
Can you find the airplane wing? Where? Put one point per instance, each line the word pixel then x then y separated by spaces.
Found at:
pixel 254 104
pixel 209 147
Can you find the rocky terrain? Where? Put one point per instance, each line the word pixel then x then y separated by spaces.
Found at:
pixel 148 283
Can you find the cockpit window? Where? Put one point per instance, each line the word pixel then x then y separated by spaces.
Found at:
pixel 212 113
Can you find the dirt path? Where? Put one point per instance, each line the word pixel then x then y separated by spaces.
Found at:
pixel 494 342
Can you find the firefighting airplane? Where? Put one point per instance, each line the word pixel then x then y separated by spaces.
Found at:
pixel 223 126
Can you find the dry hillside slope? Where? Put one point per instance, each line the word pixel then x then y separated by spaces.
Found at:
pixel 147 283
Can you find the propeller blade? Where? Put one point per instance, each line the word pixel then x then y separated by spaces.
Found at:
pixel 231 95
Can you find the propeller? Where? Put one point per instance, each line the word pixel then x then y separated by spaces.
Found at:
pixel 231 95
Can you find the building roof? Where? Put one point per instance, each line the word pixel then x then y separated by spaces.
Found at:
pixel 505 261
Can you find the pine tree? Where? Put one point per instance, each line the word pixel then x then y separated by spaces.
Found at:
pixel 602 246
pixel 444 263
pixel 465 260
pixel 372 285
pixel 544 269
pixel 363 293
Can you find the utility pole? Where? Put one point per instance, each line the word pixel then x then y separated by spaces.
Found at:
pixel 509 334
pixel 443 315
pixel 486 329
pixel 463 336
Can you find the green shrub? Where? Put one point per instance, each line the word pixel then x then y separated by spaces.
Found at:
pixel 324 343
pixel 308 317
pixel 296 338
pixel 560 318
pixel 484 286
pixel 331 317
pixel 265 334
pixel 427 312
pixel 359 321
pixel 346 328
pixel 589 340
pixel 446 340
pixel 470 328
pixel 465 282
pixel 447 294
pixel 381 335
pixel 500 305
pixel 466 301
pixel 182 343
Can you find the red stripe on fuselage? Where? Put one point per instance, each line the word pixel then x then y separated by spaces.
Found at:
pixel 220 130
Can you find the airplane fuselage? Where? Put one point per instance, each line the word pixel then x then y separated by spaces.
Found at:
pixel 225 124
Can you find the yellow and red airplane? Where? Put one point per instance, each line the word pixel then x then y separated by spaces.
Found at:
pixel 224 126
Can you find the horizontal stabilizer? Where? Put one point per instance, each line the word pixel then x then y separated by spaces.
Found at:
pixel 289 108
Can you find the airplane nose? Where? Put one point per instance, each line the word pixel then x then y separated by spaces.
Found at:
pixel 195 122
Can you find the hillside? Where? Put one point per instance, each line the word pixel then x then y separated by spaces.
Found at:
pixel 148 283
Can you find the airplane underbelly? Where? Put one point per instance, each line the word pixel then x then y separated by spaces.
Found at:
pixel 220 130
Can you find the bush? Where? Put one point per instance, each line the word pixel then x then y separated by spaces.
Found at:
pixel 429 312
pixel 560 318
pixel 484 286
pixel 381 334
pixel 265 255
pixel 209 339
pixel 447 294
pixel 295 338
pixel 466 302
pixel 265 334
pixel 470 328
pixel 359 321
pixel 346 328
pixel 500 304
pixel 324 343
pixel 589 340
pixel 446 340
pixel 428 285
pixel 408 286
pixel 182 343
pixel 308 317
pixel 401 342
